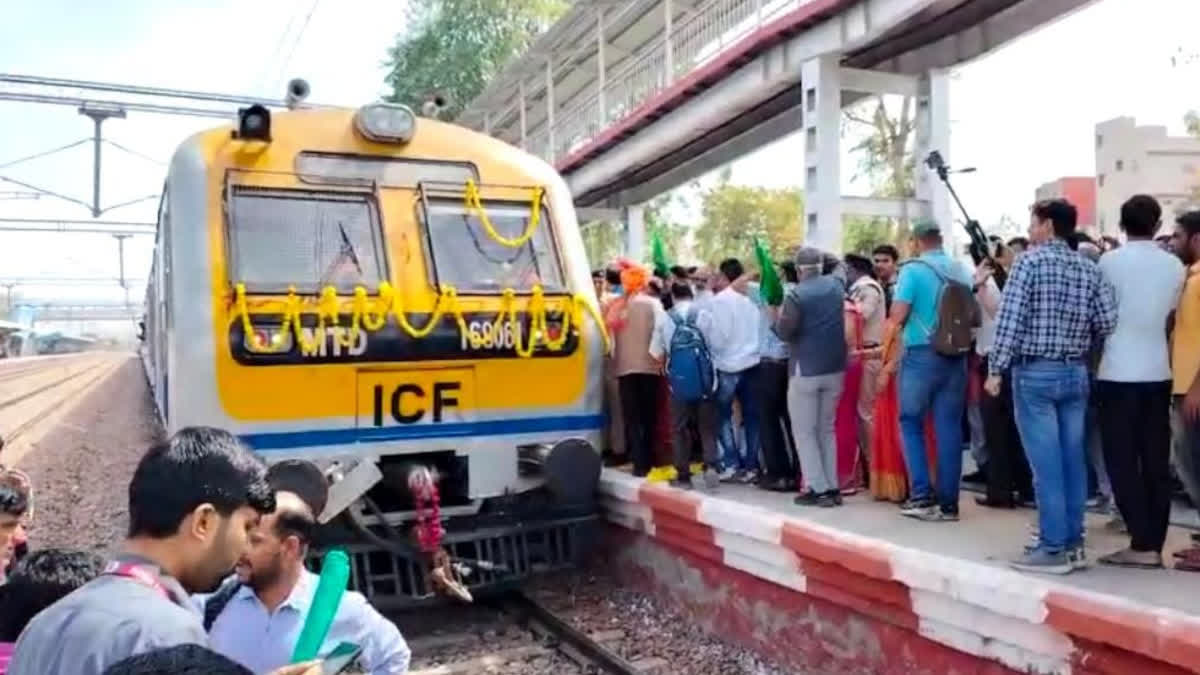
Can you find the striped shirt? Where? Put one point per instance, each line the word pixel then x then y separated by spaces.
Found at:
pixel 1055 306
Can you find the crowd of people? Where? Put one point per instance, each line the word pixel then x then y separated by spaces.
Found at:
pixel 1070 368
pixel 200 504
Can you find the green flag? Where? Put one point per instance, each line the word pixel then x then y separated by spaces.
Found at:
pixel 769 286
pixel 658 254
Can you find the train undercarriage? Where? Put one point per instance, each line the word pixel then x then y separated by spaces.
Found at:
pixel 414 536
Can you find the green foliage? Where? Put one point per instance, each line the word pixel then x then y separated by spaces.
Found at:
pixel 861 234
pixel 605 240
pixel 672 234
pixel 731 216
pixel 454 47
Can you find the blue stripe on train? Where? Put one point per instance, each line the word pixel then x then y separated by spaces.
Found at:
pixel 287 440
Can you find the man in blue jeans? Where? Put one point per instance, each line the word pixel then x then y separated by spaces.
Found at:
pixel 735 353
pixel 929 381
pixel 1056 307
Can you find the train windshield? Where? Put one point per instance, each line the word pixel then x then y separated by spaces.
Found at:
pixel 306 239
pixel 467 257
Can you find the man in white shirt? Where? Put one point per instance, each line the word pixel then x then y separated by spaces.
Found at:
pixel 687 415
pixel 1134 382
pixel 736 356
pixel 263 615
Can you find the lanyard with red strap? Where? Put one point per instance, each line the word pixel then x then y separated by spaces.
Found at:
pixel 138 573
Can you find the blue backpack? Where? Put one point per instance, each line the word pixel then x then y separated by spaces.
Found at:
pixel 690 370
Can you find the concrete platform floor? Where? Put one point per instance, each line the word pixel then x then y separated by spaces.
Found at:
pixel 992 536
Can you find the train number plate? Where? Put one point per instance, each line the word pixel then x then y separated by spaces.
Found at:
pixel 402 397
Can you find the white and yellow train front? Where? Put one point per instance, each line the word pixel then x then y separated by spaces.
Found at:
pixel 367 286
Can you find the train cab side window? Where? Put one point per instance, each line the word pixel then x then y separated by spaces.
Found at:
pixel 306 239
pixel 466 257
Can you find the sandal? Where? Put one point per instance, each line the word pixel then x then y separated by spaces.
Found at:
pixel 1125 558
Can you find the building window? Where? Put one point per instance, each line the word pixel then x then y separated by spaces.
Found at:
pixel 1099 140
pixel 1120 165
pixel 1102 221
pixel 1100 180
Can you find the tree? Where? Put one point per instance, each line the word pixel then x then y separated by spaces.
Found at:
pixel 1192 120
pixel 659 219
pixel 605 240
pixel 887 160
pixel 886 157
pixel 862 234
pixel 733 215
pixel 454 47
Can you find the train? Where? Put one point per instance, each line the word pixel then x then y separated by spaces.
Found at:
pixel 405 302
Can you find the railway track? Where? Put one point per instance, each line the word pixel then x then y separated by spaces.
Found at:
pixel 517 634
pixel 43 389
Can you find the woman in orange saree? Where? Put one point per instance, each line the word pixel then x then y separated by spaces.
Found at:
pixel 889 477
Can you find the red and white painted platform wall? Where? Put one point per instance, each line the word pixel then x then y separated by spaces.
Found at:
pixel 823 600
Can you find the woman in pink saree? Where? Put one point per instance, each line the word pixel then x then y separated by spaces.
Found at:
pixel 845 426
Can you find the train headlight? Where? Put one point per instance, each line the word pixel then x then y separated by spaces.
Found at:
pixel 268 341
pixel 254 123
pixel 386 123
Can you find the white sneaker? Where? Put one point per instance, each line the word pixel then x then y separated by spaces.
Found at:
pixel 727 475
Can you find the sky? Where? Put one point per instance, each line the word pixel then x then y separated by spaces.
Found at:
pixel 1022 115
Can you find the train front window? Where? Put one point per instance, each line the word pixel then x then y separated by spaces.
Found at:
pixel 306 239
pixel 467 257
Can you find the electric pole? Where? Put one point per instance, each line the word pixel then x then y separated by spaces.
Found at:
pixel 121 258
pixel 98 114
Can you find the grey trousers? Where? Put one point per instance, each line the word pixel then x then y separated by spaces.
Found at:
pixel 812 405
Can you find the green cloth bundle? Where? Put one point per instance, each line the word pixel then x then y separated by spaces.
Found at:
pixel 769 286
pixel 335 574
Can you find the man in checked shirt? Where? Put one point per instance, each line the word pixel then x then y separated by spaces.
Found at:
pixel 1056 306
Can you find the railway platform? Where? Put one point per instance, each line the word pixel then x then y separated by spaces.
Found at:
pixel 862 589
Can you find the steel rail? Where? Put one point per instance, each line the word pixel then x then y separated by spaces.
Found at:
pixel 574 639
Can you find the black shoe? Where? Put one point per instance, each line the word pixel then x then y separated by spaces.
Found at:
pixel 837 497
pixel 975 477
pixel 778 484
pixel 827 500
pixel 994 503
pixel 807 498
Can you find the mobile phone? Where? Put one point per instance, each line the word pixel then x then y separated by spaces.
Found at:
pixel 338 660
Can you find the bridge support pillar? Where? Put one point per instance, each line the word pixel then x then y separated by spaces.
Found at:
pixel 635 232
pixel 821 78
pixel 933 133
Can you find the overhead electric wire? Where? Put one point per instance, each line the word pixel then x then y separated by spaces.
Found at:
pixel 137 90
pixel 39 155
pixel 261 80
pixel 135 153
pixel 45 191
pixel 299 36
pixel 137 107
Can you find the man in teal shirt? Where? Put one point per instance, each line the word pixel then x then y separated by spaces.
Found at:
pixel 929 381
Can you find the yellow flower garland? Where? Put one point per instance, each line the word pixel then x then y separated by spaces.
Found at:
pixel 475 205
pixel 372 315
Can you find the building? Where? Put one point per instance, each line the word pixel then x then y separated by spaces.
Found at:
pixel 1080 191
pixel 1143 160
